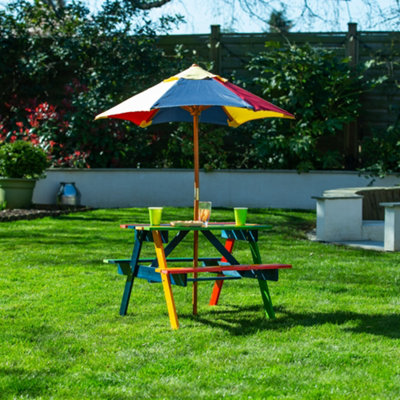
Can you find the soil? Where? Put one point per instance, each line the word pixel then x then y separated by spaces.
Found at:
pixel 39 211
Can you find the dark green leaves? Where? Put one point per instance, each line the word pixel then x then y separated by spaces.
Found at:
pixel 323 93
pixel 22 160
pixel 80 64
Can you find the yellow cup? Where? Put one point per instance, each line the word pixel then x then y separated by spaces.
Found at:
pixel 155 215
pixel 240 215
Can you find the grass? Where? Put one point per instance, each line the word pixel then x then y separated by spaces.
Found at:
pixel 336 335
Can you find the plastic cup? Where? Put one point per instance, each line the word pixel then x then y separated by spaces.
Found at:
pixel 205 211
pixel 240 215
pixel 155 215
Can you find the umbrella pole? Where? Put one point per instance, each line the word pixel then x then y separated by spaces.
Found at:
pixel 196 113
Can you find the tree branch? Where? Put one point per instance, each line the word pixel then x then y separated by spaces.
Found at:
pixel 56 5
pixel 149 5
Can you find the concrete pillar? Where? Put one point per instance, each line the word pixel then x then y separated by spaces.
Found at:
pixel 339 218
pixel 392 226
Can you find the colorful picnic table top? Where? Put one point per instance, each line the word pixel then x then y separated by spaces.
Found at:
pixel 211 226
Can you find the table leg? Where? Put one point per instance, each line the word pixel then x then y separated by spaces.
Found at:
pixel 269 310
pixel 195 265
pixel 169 298
pixel 166 281
pixel 266 297
pixel 130 278
pixel 127 295
pixel 218 284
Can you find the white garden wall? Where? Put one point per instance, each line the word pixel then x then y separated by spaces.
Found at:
pixel 108 188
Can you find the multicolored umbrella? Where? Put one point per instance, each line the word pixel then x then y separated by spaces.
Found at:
pixel 194 95
pixel 199 96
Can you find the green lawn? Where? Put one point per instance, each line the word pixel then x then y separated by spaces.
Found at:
pixel 336 335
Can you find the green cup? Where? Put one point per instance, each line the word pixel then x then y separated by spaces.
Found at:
pixel 155 215
pixel 240 215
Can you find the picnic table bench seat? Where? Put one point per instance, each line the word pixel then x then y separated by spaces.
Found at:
pixel 248 270
pixel 224 270
pixel 150 273
pixel 124 264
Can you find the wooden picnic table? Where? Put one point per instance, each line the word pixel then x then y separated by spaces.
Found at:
pixel 223 267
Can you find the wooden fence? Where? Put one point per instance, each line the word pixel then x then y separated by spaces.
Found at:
pixel 230 53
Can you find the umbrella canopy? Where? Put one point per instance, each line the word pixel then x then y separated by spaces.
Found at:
pixel 224 103
pixel 199 96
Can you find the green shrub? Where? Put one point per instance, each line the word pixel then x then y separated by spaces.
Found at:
pixel 380 153
pixel 323 92
pixel 22 160
pixel 79 64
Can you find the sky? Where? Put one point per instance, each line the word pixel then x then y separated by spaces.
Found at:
pixel 200 14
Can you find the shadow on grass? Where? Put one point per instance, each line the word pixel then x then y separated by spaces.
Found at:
pixel 63 240
pixel 25 383
pixel 242 321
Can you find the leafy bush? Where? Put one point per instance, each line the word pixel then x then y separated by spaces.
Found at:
pixel 42 127
pixel 380 149
pixel 22 160
pixel 59 70
pixel 381 152
pixel 320 89
pixel 79 64
pixel 176 147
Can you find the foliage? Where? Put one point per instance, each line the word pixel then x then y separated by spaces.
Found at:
pixel 79 65
pixel 278 22
pixel 336 335
pixel 22 160
pixel 44 125
pixel 176 147
pixel 323 93
pixel 59 5
pixel 380 149
pixel 62 68
pixel 381 152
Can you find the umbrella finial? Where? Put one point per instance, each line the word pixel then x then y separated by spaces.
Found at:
pixel 195 72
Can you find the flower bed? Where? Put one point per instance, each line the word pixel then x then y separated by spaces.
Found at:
pixel 39 211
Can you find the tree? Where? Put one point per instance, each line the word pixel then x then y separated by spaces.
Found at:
pixel 323 92
pixel 278 23
pixel 57 5
pixel 60 68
